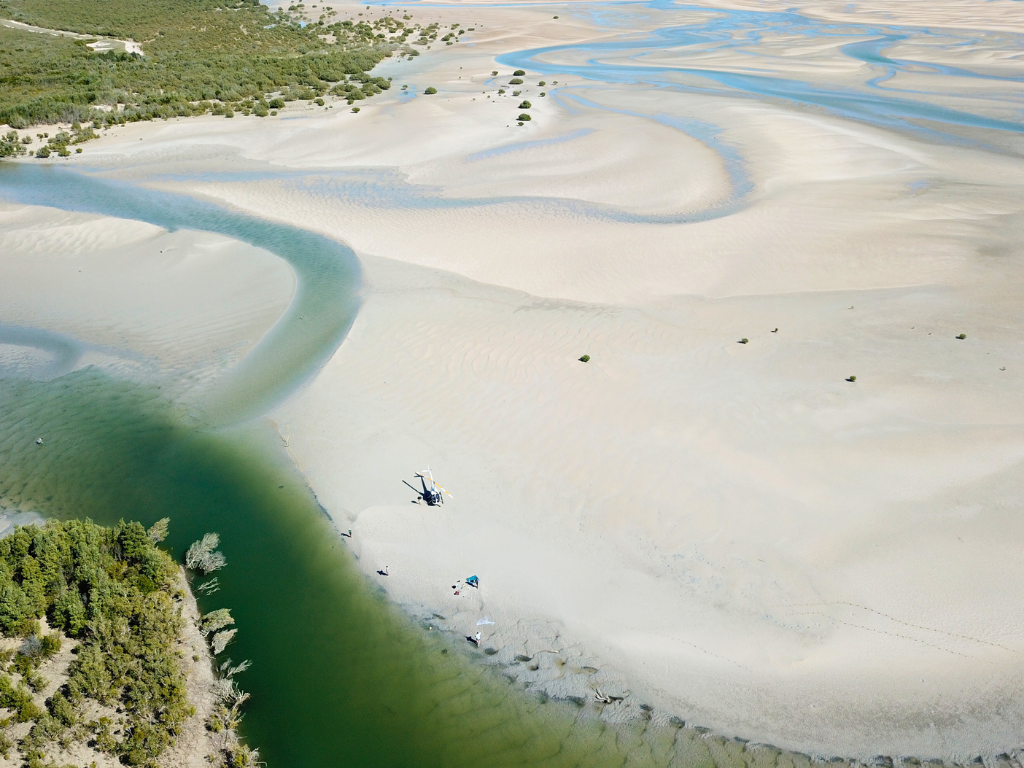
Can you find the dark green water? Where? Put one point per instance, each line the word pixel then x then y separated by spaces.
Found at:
pixel 339 676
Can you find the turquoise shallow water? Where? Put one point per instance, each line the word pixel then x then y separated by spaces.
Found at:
pixel 877 102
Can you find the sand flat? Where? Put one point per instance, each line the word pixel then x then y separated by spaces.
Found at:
pixel 134 292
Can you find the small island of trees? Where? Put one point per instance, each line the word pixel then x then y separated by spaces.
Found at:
pixel 95 623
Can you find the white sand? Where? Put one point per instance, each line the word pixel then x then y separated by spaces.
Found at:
pixel 133 295
pixel 752 542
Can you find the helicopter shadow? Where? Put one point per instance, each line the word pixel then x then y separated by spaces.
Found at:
pixel 419 493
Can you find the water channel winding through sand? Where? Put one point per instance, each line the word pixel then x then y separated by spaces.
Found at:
pixel 326 297
pixel 745 31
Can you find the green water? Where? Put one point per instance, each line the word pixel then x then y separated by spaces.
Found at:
pixel 339 677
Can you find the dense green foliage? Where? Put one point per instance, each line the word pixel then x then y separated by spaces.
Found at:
pixel 11 145
pixel 196 53
pixel 117 594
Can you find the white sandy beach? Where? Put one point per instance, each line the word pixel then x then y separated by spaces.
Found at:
pixel 734 533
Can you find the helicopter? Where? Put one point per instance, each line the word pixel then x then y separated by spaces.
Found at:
pixel 432 492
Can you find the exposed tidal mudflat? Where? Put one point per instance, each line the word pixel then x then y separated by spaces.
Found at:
pixel 729 534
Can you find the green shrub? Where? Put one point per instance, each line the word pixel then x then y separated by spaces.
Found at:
pixel 430 90
pixel 355 109
pixel 318 101
pixel 43 151
pixel 494 73
pixel 962 336
pixel 519 72
pixel 49 645
pixel 525 105
pixel 193 54
pixel 11 145
pixel 525 117
pixel 276 103
pixel 36 681
pixel 515 81
pixel 744 340
pixel 543 94
pixel 62 709
pixel 585 359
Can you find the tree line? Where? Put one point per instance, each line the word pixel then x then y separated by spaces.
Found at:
pixel 199 55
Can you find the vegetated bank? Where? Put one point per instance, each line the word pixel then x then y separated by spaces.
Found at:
pixel 199 56
pixel 103 658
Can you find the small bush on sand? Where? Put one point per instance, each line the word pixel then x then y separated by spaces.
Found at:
pixel 515 81
pixel 962 336
pixel 430 90
pixel 525 117
pixel 525 105
pixel 852 378
pixel 519 72
pixel 585 359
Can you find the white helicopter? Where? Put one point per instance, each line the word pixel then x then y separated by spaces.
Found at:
pixel 431 490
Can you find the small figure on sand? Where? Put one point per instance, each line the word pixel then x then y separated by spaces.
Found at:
pixel 474 639
pixel 383 571
pixel 39 441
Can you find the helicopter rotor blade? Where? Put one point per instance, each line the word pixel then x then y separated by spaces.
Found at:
pixel 428 475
